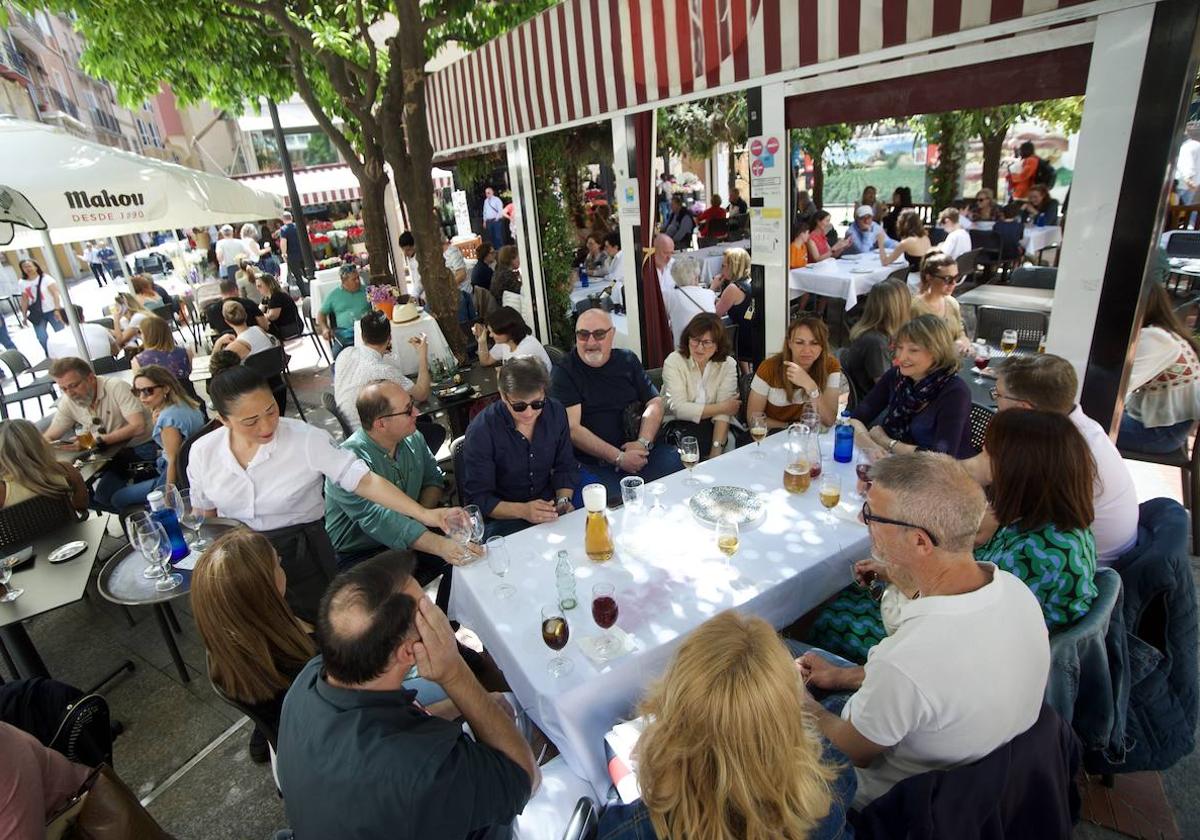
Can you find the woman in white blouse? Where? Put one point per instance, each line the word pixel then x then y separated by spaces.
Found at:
pixel 687 299
pixel 246 340
pixel 700 383
pixel 268 472
pixel 1163 398
pixel 511 337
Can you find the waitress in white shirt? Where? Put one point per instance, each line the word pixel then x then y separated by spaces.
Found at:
pixel 268 471
pixel 512 337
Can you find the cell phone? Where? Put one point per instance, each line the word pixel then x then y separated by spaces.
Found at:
pixel 24 556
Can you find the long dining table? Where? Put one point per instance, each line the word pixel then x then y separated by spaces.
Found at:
pixel 669 577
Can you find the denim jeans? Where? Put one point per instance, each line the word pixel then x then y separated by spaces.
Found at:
pixel 663 460
pixel 5 338
pixel 113 493
pixel 48 319
pixel 342 338
pixel 1160 440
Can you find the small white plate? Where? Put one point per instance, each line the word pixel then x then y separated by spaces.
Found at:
pixel 67 552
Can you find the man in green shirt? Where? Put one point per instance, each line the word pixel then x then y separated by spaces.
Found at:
pixel 392 447
pixel 346 304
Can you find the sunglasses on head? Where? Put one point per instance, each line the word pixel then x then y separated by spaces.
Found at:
pixel 598 335
pixel 536 405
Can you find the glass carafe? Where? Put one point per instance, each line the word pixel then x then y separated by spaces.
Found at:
pixel 597 539
pixel 797 471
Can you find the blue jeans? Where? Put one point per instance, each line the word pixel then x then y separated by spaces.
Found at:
pixel 831 701
pixel 342 338
pixel 1160 440
pixel 48 318
pixel 495 232
pixel 5 338
pixel 664 460
pixel 113 493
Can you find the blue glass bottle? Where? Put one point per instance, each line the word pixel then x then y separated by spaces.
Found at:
pixel 170 522
pixel 843 439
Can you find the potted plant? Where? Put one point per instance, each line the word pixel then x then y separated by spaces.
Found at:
pixel 383 298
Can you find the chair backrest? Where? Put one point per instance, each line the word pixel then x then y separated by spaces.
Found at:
pixel 105 322
pixel 937 235
pixel 181 476
pixel 331 406
pixel 107 364
pixel 900 274
pixel 584 821
pixel 1183 243
pixel 556 355
pixel 32 518
pixel 1034 277
pixel 968 263
pixel 655 375
pixel 15 361
pixel 987 240
pixel 851 375
pixel 85 734
pixel 994 320
pixel 269 728
pixel 460 466
pixel 268 363
pixel 980 419
pixel 718 228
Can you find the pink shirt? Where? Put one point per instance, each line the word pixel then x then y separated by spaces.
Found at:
pixel 35 781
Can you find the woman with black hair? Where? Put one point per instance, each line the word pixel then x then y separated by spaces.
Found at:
pixel 268 471
pixel 511 337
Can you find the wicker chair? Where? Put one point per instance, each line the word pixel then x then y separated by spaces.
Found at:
pixel 26 521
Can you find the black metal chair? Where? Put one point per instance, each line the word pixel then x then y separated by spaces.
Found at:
pixel 980 419
pixel 937 235
pixel 456 458
pixel 108 364
pixel 900 274
pixel 992 321
pixel 1184 243
pixel 272 365
pixel 185 451
pixel 1034 277
pixel 584 821
pixel 1188 464
pixel 556 355
pixel 34 389
pixel 330 405
pixel 968 269
pixel 310 330
pixel 32 518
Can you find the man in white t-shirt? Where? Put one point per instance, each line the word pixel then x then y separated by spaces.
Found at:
pixel 1048 382
pixel 964 666
pixel 100 343
pixel 1187 166
pixel 664 258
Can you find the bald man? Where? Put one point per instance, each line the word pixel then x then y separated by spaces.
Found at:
pixel 597 384
pixel 664 258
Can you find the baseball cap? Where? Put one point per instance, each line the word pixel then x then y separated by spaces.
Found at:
pixel 863 211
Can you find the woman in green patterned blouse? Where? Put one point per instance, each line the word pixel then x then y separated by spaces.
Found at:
pixel 1042 483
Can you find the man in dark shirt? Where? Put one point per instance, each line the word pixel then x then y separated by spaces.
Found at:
pixel 361 756
pixel 599 385
pixel 518 463
pixel 737 204
pixel 229 291
pixel 289 249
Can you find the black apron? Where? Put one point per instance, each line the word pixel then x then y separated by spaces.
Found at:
pixel 308 560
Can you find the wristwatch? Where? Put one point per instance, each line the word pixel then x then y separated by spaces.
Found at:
pixel 561 502
pixel 646 444
pixel 814 394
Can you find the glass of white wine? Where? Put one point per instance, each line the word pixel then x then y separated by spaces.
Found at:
pixel 689 454
pixel 831 492
pixel 758 431
pixel 1008 342
pixel 727 537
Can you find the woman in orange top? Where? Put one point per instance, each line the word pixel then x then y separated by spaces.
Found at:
pixel 799 249
pixel 805 371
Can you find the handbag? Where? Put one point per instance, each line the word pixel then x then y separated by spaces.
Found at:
pixel 34 313
pixel 104 808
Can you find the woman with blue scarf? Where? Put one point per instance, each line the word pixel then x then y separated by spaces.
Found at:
pixel 921 403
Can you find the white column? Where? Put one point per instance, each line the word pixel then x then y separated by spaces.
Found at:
pixel 1114 78
pixel 769 222
pixel 52 267
pixel 627 223
pixel 524 230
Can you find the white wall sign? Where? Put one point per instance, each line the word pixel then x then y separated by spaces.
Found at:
pixel 627 199
pixel 767 235
pixel 767 165
pixel 462 218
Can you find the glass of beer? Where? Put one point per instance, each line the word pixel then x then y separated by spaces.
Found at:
pixel 85 438
pixel 831 492
pixel 758 431
pixel 555 634
pixel 1008 342
pixel 689 454
pixel 727 537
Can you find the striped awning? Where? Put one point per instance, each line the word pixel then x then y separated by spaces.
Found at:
pixel 323 184
pixel 585 59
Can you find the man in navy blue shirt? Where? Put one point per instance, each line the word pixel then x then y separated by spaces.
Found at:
pixel 289 249
pixel 600 388
pixel 519 466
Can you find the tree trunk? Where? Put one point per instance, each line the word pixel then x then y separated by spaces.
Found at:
pixel 993 148
pixel 818 185
pixel 374 182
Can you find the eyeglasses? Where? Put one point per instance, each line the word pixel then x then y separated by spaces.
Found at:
pixel 408 412
pixel 145 392
pixel 536 405
pixel 868 518
pixel 702 342
pixel 597 335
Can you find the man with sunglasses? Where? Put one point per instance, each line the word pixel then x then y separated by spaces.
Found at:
pixel 965 663
pixel 389 445
pixel 614 409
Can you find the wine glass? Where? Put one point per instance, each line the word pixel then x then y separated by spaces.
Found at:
pixel 604 613
pixel 689 454
pixel 8 594
pixel 862 468
pixel 1008 342
pixel 497 557
pixel 727 537
pixel 192 518
pixel 657 490
pixel 143 537
pixel 169 580
pixel 982 357
pixel 555 633
pixel 758 431
pixel 831 492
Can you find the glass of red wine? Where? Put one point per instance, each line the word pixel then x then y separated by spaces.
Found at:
pixel 555 634
pixel 983 355
pixel 604 613
pixel 862 469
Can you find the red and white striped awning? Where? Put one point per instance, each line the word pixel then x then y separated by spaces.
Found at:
pixel 323 184
pixel 585 59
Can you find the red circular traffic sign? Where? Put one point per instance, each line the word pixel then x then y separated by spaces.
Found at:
pixel 757 168
pixel 756 147
pixel 772 145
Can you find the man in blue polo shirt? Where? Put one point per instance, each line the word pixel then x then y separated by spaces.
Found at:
pixel 613 408
pixel 362 753
pixel 866 234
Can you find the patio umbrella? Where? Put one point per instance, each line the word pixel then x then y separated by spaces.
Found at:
pixel 15 209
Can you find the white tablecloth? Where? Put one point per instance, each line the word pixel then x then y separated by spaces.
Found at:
pixel 669 578
pixel 710 258
pixel 1009 297
pixel 326 280
pixel 439 348
pixel 847 278
pixel 1037 238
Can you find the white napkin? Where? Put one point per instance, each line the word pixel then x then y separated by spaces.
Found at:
pixel 188 563
pixel 625 644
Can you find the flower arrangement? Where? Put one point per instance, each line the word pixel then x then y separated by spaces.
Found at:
pixel 383 294
pixel 332 262
pixel 319 226
pixel 357 234
pixel 318 239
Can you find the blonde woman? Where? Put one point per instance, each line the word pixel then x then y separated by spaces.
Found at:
pixel 939 276
pixel 28 468
pixel 870 352
pixel 734 298
pixel 729 750
pixel 804 372
pixel 128 313
pixel 159 348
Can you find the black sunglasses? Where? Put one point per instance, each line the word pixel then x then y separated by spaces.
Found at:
pixel 868 518
pixel 536 405
pixel 145 392
pixel 598 335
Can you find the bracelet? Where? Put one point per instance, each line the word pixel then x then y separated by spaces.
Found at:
pixel 891 447
pixel 620 455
